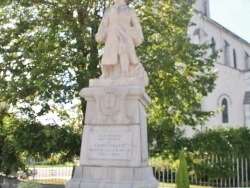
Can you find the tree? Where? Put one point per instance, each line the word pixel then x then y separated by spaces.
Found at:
pixel 49 53
pixel 180 72
pixel 20 139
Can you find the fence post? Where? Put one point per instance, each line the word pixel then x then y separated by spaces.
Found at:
pixel 246 172
pixel 238 173
pixel 33 171
pixel 229 180
pixel 233 171
pixel 163 175
pixel 242 171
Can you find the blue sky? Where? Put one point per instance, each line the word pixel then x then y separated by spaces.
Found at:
pixel 233 15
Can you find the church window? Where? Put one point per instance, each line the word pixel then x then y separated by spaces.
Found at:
pixel 247 61
pixel 235 58
pixel 213 45
pixel 226 53
pixel 199 36
pixel 225 111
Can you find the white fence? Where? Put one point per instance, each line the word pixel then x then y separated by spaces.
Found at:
pixel 211 172
pixel 44 172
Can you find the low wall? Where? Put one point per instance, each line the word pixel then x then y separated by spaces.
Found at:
pixel 8 182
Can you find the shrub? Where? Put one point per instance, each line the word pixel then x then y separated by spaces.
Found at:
pixel 222 142
pixel 213 151
pixel 182 172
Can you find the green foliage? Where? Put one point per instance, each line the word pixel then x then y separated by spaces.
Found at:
pixel 54 41
pixel 213 152
pixel 10 159
pixel 222 142
pixel 159 163
pixel 212 167
pixel 48 53
pixel 180 72
pixel 50 40
pixel 210 155
pixel 182 172
pixel 28 184
pixel 169 144
pixel 26 138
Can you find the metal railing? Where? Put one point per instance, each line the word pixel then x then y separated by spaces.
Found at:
pixel 235 174
pixel 45 172
pixel 164 171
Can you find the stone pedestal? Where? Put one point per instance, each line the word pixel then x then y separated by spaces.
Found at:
pixel 114 151
pixel 112 177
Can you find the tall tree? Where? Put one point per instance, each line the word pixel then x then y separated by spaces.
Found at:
pixel 48 50
pixel 181 73
pixel 49 53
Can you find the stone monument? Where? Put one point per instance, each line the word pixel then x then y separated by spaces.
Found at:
pixel 114 151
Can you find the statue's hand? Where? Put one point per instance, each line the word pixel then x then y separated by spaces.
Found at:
pixel 137 36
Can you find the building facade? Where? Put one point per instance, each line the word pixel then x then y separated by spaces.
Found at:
pixel 231 96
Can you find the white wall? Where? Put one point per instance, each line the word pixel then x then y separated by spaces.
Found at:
pixel 232 81
pixel 230 85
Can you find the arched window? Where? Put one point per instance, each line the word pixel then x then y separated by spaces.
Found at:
pixel 235 58
pixel 213 45
pixel 247 61
pixel 226 53
pixel 224 104
pixel 199 36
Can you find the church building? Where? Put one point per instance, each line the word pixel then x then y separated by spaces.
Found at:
pixel 231 95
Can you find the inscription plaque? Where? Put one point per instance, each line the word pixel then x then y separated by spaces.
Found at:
pixel 110 145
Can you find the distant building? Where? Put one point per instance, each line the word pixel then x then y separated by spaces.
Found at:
pixel 232 91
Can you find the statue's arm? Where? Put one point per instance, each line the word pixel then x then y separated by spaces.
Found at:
pixel 102 30
pixel 137 34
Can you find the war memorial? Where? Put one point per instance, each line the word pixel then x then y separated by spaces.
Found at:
pixel 114 151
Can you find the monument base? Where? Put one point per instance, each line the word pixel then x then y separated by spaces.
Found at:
pixel 112 177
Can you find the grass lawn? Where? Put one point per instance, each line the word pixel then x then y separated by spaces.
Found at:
pixel 51 181
pixel 162 185
pixel 62 182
